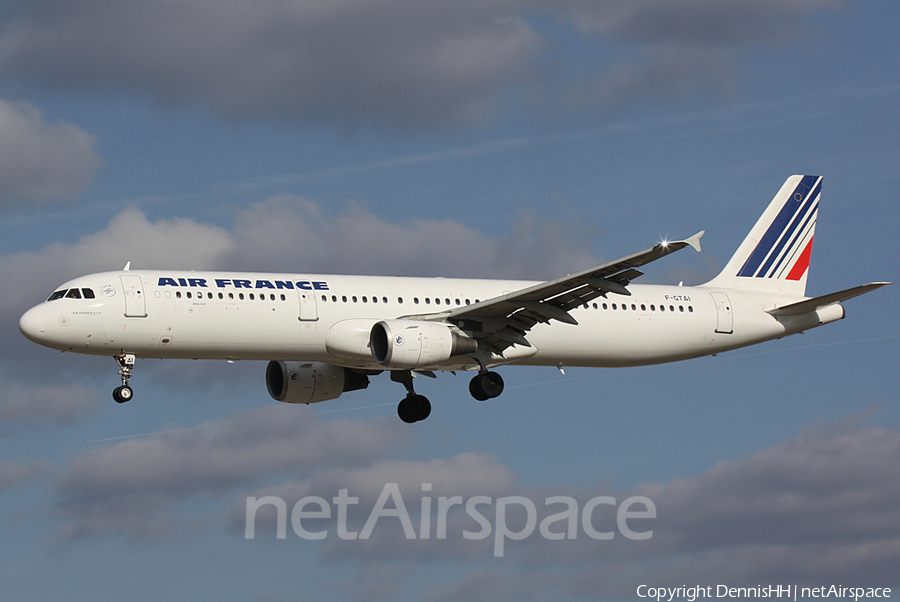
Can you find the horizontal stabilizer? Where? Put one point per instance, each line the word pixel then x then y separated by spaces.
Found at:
pixel 802 307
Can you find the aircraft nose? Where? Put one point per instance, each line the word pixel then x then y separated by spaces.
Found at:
pixel 33 324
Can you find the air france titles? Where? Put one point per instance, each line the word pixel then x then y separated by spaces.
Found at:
pixel 305 285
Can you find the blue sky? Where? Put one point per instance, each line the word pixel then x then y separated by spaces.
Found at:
pixel 499 138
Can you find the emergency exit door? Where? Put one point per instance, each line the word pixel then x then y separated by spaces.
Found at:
pixel 308 312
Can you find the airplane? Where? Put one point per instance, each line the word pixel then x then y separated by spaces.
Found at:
pixel 325 335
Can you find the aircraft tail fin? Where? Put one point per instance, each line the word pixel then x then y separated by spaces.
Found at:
pixel 775 255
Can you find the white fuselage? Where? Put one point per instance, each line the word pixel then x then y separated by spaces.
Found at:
pixel 327 318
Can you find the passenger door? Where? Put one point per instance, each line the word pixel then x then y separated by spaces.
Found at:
pixel 724 316
pixel 135 304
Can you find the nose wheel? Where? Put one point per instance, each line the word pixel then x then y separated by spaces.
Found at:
pixel 123 394
pixel 126 366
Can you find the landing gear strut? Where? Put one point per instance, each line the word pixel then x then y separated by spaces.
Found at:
pixel 413 407
pixel 126 365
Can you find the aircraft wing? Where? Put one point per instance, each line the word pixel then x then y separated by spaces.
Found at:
pixel 504 321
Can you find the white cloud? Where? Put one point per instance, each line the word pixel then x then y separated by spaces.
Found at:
pixel 681 43
pixel 40 161
pixel 176 243
pixel 818 507
pixel 289 233
pixel 399 62
pixel 38 404
pixel 14 473
pixel 396 61
pixel 103 491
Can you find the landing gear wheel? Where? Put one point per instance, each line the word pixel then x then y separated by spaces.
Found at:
pixel 421 407
pixel 486 385
pixel 414 408
pixel 405 411
pixel 475 390
pixel 123 394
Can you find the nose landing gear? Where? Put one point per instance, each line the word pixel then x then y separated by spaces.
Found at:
pixel 126 365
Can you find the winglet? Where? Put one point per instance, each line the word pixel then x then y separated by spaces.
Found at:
pixel 694 241
pixel 127 267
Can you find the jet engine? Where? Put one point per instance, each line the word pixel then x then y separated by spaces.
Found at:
pixel 310 382
pixel 409 345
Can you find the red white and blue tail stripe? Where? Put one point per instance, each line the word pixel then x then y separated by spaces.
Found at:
pixel 775 255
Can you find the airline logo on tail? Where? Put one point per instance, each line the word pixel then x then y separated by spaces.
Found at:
pixel 783 251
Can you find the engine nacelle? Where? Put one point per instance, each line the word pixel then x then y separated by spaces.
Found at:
pixel 349 339
pixel 310 382
pixel 409 345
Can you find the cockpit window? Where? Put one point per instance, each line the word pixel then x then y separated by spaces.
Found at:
pixel 73 293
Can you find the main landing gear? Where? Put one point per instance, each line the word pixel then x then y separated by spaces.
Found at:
pixel 126 365
pixel 486 385
pixel 414 407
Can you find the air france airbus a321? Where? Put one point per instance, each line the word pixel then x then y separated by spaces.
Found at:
pixel 326 335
